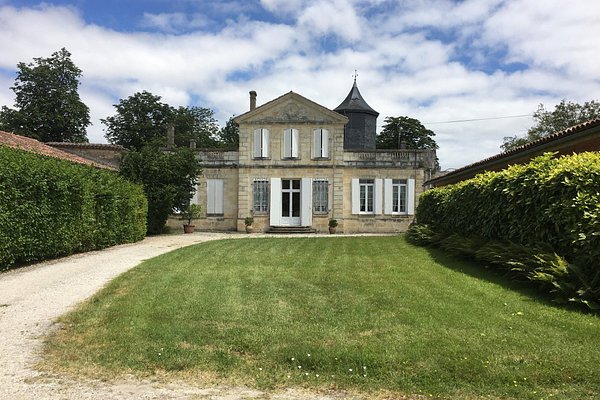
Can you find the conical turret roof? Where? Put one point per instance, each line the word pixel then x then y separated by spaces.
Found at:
pixel 354 102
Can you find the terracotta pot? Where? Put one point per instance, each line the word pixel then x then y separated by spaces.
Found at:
pixel 249 229
pixel 332 229
pixel 188 228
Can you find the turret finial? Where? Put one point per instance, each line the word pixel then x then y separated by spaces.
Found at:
pixel 355 76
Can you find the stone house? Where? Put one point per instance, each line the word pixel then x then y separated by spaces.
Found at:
pixel 300 164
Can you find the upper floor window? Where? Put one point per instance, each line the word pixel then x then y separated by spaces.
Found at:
pixel 261 143
pixel 320 143
pixel 290 143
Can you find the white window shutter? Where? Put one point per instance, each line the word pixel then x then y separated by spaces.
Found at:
pixel 387 196
pixel 218 187
pixel 411 197
pixel 355 196
pixel 210 196
pixel 306 202
pixel 286 143
pixel 316 147
pixel 325 143
pixel 257 140
pixel 294 137
pixel 275 206
pixel 195 199
pixel 265 143
pixel 377 196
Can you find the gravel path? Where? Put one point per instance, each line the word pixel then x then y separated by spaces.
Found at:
pixel 31 298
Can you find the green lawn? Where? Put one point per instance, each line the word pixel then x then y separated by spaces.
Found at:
pixel 365 314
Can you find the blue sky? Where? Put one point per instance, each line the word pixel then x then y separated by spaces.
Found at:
pixel 434 60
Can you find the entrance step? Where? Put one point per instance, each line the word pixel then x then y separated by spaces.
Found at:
pixel 291 229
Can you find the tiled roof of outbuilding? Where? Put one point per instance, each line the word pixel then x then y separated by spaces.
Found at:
pixel 34 146
pixel 565 134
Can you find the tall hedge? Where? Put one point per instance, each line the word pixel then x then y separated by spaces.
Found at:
pixel 51 208
pixel 550 201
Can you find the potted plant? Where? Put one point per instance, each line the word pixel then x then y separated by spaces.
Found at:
pixel 332 225
pixel 248 221
pixel 192 211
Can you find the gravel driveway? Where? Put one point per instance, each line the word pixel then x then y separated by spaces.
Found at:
pixel 31 298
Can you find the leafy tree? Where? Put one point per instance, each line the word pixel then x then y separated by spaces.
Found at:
pixel 47 104
pixel 565 115
pixel 197 123
pixel 405 132
pixel 169 179
pixel 143 118
pixel 140 120
pixel 229 135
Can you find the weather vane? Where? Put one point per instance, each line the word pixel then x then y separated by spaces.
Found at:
pixel 355 75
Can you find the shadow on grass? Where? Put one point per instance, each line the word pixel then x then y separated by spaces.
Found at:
pixel 477 270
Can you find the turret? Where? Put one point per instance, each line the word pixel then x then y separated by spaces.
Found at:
pixel 360 131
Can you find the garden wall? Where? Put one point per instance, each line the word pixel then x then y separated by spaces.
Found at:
pixel 51 208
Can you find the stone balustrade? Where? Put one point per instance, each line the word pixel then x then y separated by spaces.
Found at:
pixel 405 158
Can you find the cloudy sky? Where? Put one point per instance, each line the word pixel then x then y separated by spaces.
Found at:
pixel 434 60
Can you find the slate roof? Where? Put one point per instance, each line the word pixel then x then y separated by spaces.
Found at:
pixel 34 146
pixel 542 144
pixel 354 102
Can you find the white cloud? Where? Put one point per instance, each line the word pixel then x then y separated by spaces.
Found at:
pixel 175 22
pixel 405 67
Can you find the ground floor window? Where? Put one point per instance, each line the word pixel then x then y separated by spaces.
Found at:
pixel 214 196
pixel 261 196
pixel 399 196
pixel 320 196
pixel 366 195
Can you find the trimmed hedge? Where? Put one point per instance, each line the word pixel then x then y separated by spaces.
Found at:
pixel 51 208
pixel 539 221
pixel 550 201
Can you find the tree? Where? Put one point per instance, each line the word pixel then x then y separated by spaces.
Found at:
pixel 197 123
pixel 405 132
pixel 169 179
pixel 143 118
pixel 140 120
pixel 47 104
pixel 229 135
pixel 565 115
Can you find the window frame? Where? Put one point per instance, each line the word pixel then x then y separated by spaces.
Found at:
pixel 320 196
pixel 260 204
pixel 369 192
pixel 321 143
pixel 261 144
pixel 397 185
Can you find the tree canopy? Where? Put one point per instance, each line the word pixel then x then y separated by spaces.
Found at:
pixel 405 132
pixel 143 118
pixel 229 135
pixel 565 115
pixel 169 180
pixel 47 104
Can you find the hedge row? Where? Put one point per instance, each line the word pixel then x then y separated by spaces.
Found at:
pixel 51 208
pixel 551 202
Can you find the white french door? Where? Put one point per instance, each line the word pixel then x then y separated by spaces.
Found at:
pixel 290 202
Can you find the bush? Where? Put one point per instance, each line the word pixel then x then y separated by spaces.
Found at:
pixel 539 221
pixel 550 201
pixel 51 208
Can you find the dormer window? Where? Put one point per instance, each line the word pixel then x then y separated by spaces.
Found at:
pixel 290 143
pixel 261 143
pixel 320 143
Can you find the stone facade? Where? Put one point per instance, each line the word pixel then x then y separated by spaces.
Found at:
pixel 292 170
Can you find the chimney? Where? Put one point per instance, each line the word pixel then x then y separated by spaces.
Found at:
pixel 170 136
pixel 193 144
pixel 252 100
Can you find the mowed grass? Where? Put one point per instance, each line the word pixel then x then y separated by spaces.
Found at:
pixel 364 314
